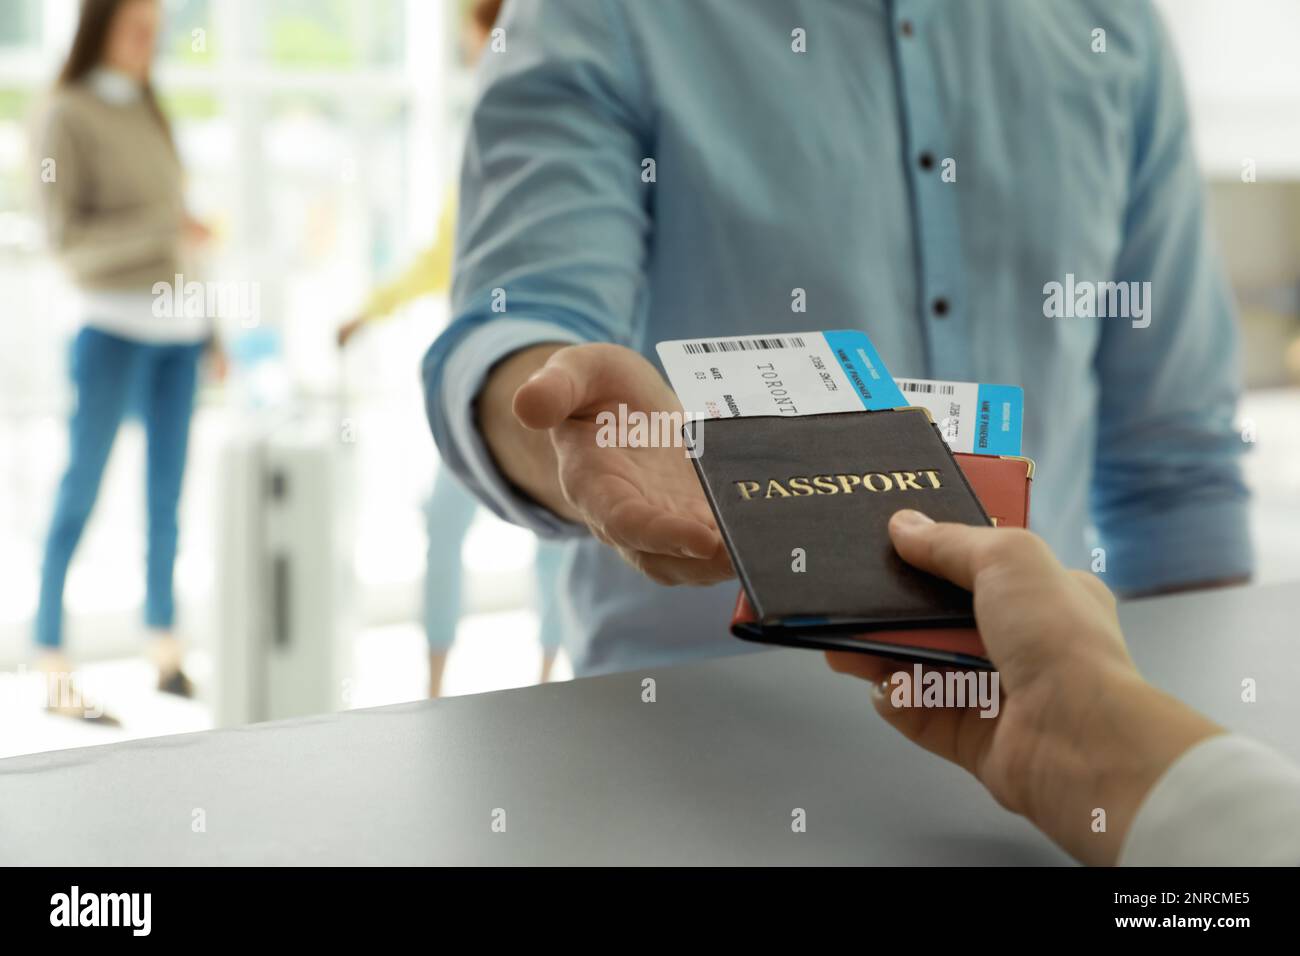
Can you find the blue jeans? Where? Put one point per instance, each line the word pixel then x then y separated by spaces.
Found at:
pixel 449 513
pixel 112 376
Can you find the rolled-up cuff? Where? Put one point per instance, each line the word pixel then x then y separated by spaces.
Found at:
pixel 1199 542
pixel 451 387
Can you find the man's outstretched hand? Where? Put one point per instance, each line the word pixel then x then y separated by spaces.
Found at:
pixel 645 502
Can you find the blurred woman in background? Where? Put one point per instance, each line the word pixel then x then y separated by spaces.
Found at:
pixel 111 197
pixel 450 510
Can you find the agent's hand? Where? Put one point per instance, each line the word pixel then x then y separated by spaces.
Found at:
pixel 646 503
pixel 1078 729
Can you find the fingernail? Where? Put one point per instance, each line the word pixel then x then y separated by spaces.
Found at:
pixel 907 518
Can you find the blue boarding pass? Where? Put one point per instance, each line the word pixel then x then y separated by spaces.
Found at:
pixel 811 373
pixel 980 419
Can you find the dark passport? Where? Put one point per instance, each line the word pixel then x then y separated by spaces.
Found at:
pixel 1003 484
pixel 824 487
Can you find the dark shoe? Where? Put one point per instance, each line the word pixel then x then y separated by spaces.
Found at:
pixel 103 719
pixel 176 683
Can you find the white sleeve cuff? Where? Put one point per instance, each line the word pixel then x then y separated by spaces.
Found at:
pixel 1228 801
pixel 467 367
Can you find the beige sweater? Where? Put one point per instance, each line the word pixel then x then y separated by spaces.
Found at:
pixel 113 211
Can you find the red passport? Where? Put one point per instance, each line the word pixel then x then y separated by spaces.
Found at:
pixel 1002 484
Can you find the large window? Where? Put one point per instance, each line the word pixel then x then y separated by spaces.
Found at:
pixel 318 141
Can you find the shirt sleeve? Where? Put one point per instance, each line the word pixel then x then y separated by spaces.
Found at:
pixel 428 272
pixel 1168 497
pixel 1228 801
pixel 551 239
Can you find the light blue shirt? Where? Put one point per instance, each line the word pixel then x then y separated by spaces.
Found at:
pixel 923 171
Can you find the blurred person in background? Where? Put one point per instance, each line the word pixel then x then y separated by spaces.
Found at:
pixel 451 508
pixel 114 213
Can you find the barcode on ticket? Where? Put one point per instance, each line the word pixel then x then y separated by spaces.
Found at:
pixel 927 388
pixel 743 345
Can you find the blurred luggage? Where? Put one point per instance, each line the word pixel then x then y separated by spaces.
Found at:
pixel 284 575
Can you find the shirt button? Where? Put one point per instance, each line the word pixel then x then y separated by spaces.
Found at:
pixel 926 160
pixel 939 307
pixel 905 28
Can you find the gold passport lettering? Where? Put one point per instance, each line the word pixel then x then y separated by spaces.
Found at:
pixel 803 486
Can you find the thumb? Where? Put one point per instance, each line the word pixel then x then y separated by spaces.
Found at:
pixel 960 552
pixel 546 398
pixel 946 550
pixel 573 380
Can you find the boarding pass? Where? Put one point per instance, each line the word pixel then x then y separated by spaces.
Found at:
pixel 810 373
